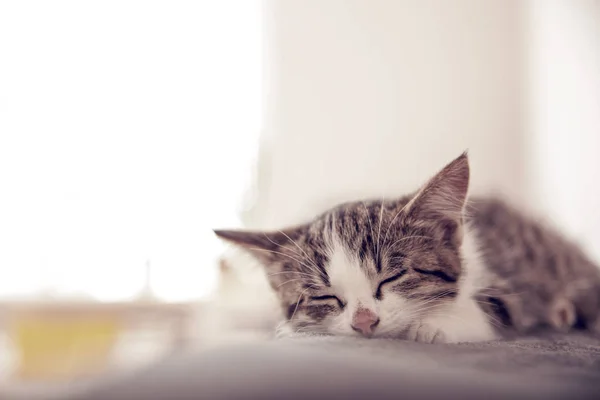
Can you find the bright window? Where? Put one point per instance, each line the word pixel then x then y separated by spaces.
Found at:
pixel 127 132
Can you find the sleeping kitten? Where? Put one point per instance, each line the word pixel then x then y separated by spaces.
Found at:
pixel 422 268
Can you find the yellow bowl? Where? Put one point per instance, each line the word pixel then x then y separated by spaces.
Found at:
pixel 63 347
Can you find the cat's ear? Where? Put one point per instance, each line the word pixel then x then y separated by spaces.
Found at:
pixel 266 246
pixel 444 196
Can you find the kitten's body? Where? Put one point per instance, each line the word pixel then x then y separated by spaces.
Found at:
pixel 428 267
pixel 536 278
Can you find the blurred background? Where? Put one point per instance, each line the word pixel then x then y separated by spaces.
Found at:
pixel 129 129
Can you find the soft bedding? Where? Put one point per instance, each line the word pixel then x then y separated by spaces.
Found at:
pixel 353 368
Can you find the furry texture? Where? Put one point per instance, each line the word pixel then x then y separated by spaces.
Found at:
pixel 429 267
pixel 537 280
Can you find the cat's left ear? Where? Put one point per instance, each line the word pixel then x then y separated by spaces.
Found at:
pixel 444 196
pixel 265 246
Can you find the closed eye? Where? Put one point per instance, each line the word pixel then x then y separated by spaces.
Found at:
pixel 328 298
pixel 438 274
pixel 388 280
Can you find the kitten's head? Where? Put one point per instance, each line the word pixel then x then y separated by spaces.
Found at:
pixel 369 268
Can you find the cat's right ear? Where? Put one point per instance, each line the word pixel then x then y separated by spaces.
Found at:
pixel 266 246
pixel 445 195
pixel 443 198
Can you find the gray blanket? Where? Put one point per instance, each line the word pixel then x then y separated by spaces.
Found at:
pixel 332 368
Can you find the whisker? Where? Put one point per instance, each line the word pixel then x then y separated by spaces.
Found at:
pixel 388 248
pixel 290 272
pixel 279 245
pixel 311 261
pixel 495 322
pixel 421 310
pixel 298 302
pixel 286 255
pixel 380 222
pixel 311 267
pixel 293 252
pixel 288 281
pixel 489 303
pixel 392 223
pixel 483 290
pixel 439 296
pixel 370 223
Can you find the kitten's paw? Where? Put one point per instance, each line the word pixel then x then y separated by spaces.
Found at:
pixel 286 331
pixel 296 335
pixel 425 333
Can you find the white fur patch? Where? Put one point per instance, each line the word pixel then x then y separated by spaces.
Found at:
pixel 350 283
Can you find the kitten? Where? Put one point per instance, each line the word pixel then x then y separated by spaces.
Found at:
pixel 430 267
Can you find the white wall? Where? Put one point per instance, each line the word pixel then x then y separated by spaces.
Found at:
pixel 564 74
pixel 368 98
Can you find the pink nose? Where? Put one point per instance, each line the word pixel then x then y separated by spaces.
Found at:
pixel 364 321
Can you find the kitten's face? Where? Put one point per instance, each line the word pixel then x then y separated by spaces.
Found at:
pixel 369 268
